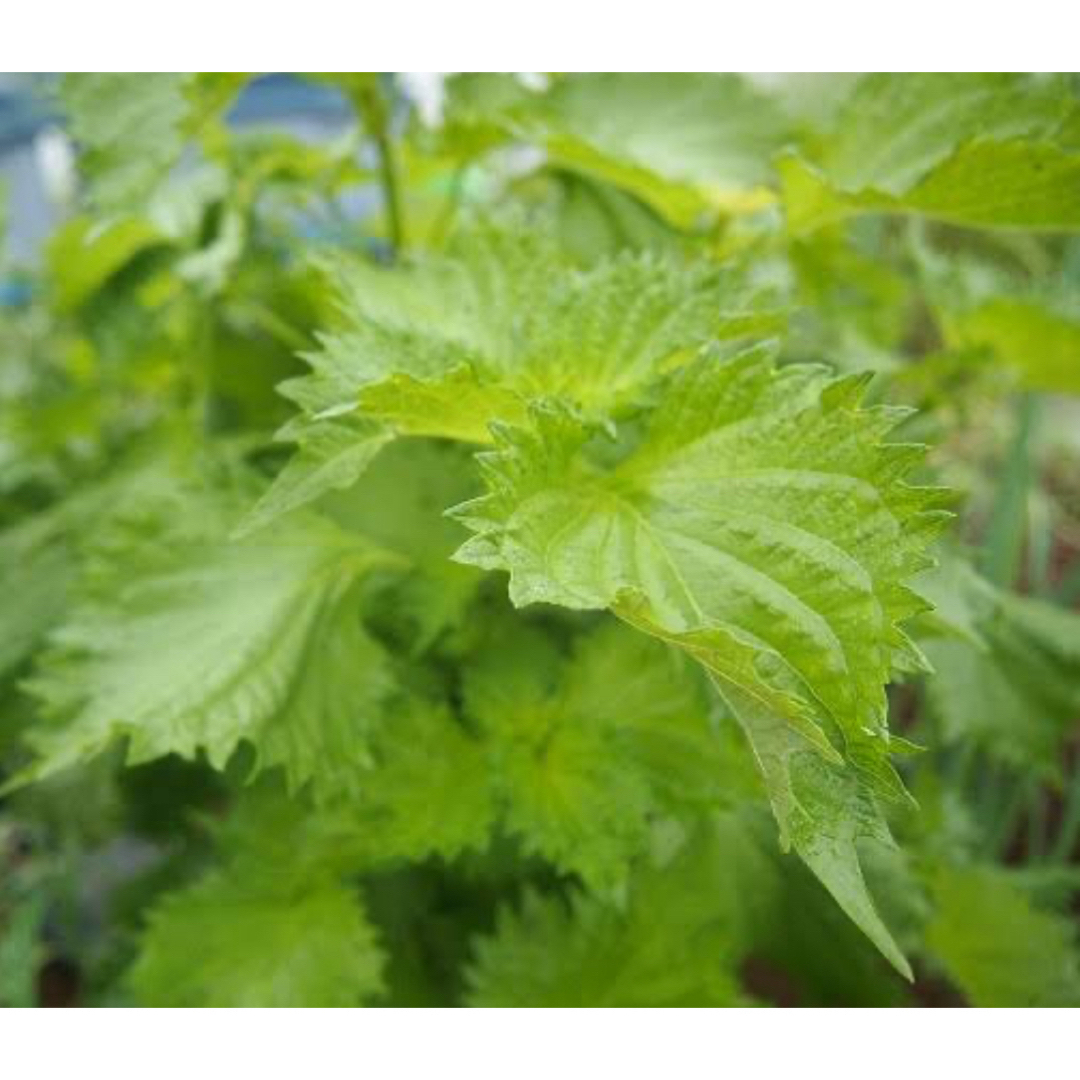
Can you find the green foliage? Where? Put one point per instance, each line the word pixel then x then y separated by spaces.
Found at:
pixel 311 948
pixel 673 942
pixel 447 345
pixel 276 925
pixel 724 539
pixel 132 128
pixel 1001 950
pixel 1007 682
pixel 1040 343
pixel 456 602
pixel 999 151
pixel 618 128
pixel 188 643
pixel 586 748
pixel 20 952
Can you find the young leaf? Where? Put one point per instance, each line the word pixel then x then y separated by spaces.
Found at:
pixel 761 524
pixel 429 791
pixel 447 344
pixel 243 940
pixel 587 751
pixel 675 942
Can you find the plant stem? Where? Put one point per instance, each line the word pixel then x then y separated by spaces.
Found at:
pixel 1068 590
pixel 376 119
pixel 1069 832
pixel 267 320
pixel 1037 821
pixel 958 765
pixel 1005 826
pixel 1008 527
pixel 391 192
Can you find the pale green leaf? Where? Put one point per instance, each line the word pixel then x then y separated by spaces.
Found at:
pixel 688 144
pixel 997 699
pixel 1010 682
pixel 1040 343
pixel 994 150
pixel 445 344
pixel 823 812
pixel 188 643
pixel 503 306
pixel 131 127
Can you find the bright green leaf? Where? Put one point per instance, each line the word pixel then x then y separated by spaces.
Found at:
pixel 189 643
pixel 447 344
pixel 83 255
pixel 232 941
pixel 688 144
pixel 588 750
pixel 761 524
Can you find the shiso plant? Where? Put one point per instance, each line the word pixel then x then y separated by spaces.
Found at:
pixel 614 544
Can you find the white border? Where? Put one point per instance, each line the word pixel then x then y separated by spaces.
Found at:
pixel 528 1044
pixel 540 35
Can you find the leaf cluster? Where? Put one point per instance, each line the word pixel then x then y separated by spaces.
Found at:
pixel 521 591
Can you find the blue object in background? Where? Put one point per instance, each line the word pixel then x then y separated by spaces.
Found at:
pixel 307 109
pixel 15 292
